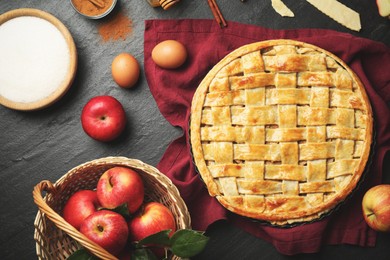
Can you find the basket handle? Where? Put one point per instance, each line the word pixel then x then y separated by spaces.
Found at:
pixel 45 185
pixel 60 222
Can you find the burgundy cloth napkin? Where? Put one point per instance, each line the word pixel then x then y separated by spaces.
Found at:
pixel 173 91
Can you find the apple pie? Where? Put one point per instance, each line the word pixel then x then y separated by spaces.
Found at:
pixel 281 131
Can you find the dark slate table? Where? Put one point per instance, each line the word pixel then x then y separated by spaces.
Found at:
pixel 46 144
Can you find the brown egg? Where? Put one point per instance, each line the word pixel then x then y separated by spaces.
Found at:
pixel 169 54
pixel 125 70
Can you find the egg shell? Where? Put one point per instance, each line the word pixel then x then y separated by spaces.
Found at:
pixel 125 70
pixel 169 54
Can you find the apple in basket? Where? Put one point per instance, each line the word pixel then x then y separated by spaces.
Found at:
pixel 103 118
pixel 118 186
pixel 153 217
pixel 79 206
pixel 107 229
pixel 376 207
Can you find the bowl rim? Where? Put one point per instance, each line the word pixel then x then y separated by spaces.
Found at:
pixel 68 80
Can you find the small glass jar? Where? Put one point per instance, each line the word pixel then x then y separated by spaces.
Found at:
pixel 165 4
pixel 96 12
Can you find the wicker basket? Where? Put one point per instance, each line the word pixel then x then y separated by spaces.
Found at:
pixel 56 239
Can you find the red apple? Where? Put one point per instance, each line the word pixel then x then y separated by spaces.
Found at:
pixel 152 218
pixel 120 185
pixel 79 206
pixel 103 118
pixel 107 229
pixel 376 207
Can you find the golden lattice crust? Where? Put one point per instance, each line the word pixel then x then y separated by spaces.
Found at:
pixel 281 131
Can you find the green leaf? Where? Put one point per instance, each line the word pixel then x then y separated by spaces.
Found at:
pixel 82 254
pixel 160 238
pixel 121 209
pixel 143 254
pixel 188 243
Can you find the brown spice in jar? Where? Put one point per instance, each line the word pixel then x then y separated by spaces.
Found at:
pixel 88 8
pixel 118 26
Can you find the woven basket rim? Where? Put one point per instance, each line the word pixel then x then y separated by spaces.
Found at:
pixel 182 215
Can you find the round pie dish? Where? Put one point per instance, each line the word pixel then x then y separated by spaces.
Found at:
pixel 281 131
pixel 65 82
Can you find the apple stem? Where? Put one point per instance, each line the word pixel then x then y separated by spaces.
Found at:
pixel 100 228
pixel 370 214
pixel 110 182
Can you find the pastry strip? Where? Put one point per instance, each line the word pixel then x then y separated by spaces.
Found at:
pixel 338 12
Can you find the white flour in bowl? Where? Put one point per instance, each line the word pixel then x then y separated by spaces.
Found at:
pixel 34 59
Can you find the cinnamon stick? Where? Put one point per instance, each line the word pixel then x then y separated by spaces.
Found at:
pixel 217 13
pixel 98 3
